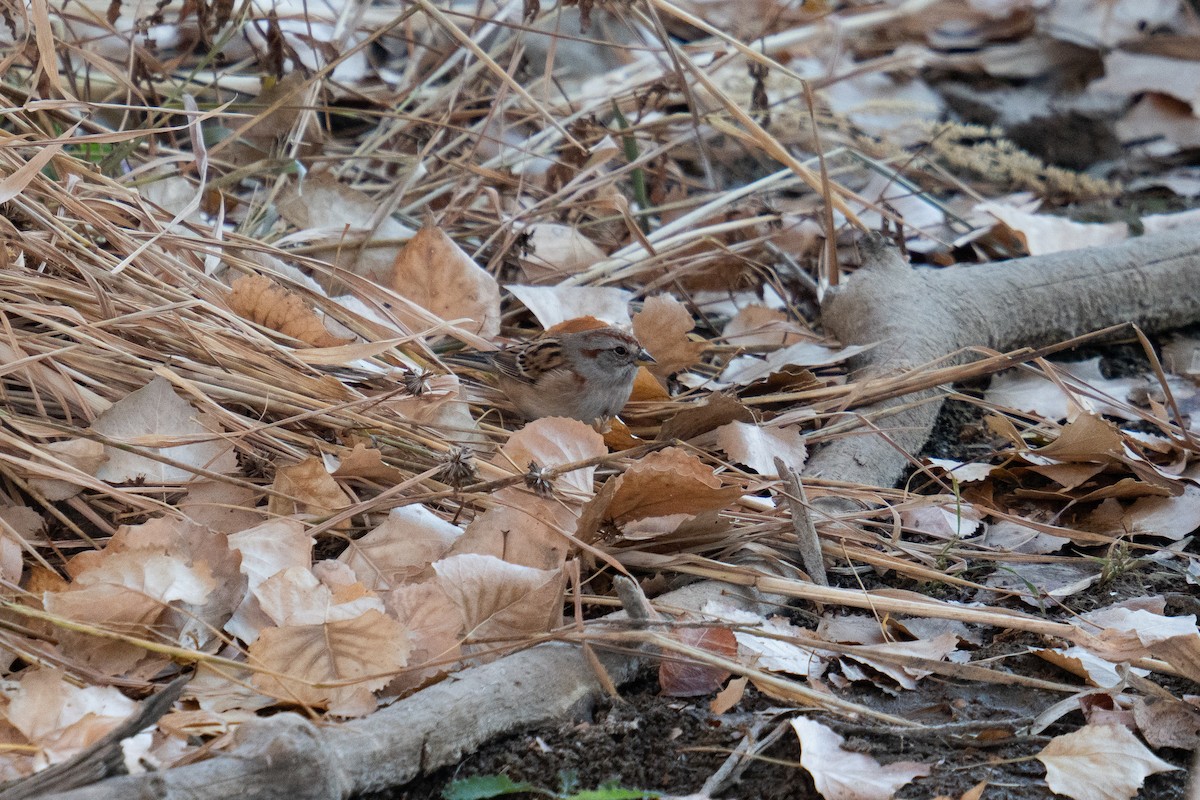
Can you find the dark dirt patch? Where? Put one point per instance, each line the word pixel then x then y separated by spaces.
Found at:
pixel 668 745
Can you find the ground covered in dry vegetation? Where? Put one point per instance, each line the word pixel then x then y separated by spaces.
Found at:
pixel 242 471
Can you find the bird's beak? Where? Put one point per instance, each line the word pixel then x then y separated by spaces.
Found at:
pixel 644 359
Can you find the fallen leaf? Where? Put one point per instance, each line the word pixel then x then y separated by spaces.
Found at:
pixel 85 455
pixel 554 251
pixel 497 600
pixel 307 488
pixel 841 774
pixel 157 420
pixel 434 272
pixel 1099 762
pixel 401 548
pixel 260 299
pixel 335 665
pixel 670 481
pixel 662 327
pixel 551 305
pixel 729 697
pixel 679 677
pixel 757 446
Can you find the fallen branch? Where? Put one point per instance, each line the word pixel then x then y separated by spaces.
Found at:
pixel 917 316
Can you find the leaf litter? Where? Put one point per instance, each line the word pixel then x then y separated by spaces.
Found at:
pixel 231 444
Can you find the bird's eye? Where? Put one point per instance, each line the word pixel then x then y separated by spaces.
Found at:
pixel 621 350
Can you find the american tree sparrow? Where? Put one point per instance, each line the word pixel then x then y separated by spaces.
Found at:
pixel 586 375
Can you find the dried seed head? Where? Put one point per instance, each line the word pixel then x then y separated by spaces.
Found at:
pixel 458 468
pixel 416 381
pixel 540 480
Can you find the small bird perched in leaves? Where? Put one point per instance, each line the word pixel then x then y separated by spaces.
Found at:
pixel 582 374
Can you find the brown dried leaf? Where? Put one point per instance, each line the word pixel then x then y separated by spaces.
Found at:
pixel 401 548
pixel 262 300
pixel 498 600
pixel 309 489
pixel 662 327
pixel 335 665
pixel 437 275
pixel 85 455
pixel 679 678
pixel 670 481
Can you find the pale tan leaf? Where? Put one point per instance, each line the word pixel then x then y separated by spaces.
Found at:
pixel 662 327
pixel 1099 762
pixel 757 446
pixel 367 462
pixel 296 596
pixel 1042 233
pixel 498 600
pixel 553 442
pixel 63 719
pixel 401 548
pixel 434 272
pixel 157 420
pixel 309 489
pixel 729 697
pixel 434 626
pixel 332 665
pixel 518 535
pixel 85 455
pixel 761 326
pixel 841 774
pixel 265 550
pixel 552 305
pixel 222 507
pixel 555 251
pixel 113 608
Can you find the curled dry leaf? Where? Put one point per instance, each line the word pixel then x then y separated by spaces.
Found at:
pixel 759 326
pixel 519 535
pixel 324 205
pixel 265 549
pixel 262 300
pixel 157 420
pixel 553 442
pixel 437 275
pixel 21 523
pixel 434 626
pixel 164 581
pixel 1042 233
pixel 841 774
pixel 222 507
pixel 367 462
pixel 670 481
pixel 662 327
pixel 296 596
pixel 62 719
pixel 1099 762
